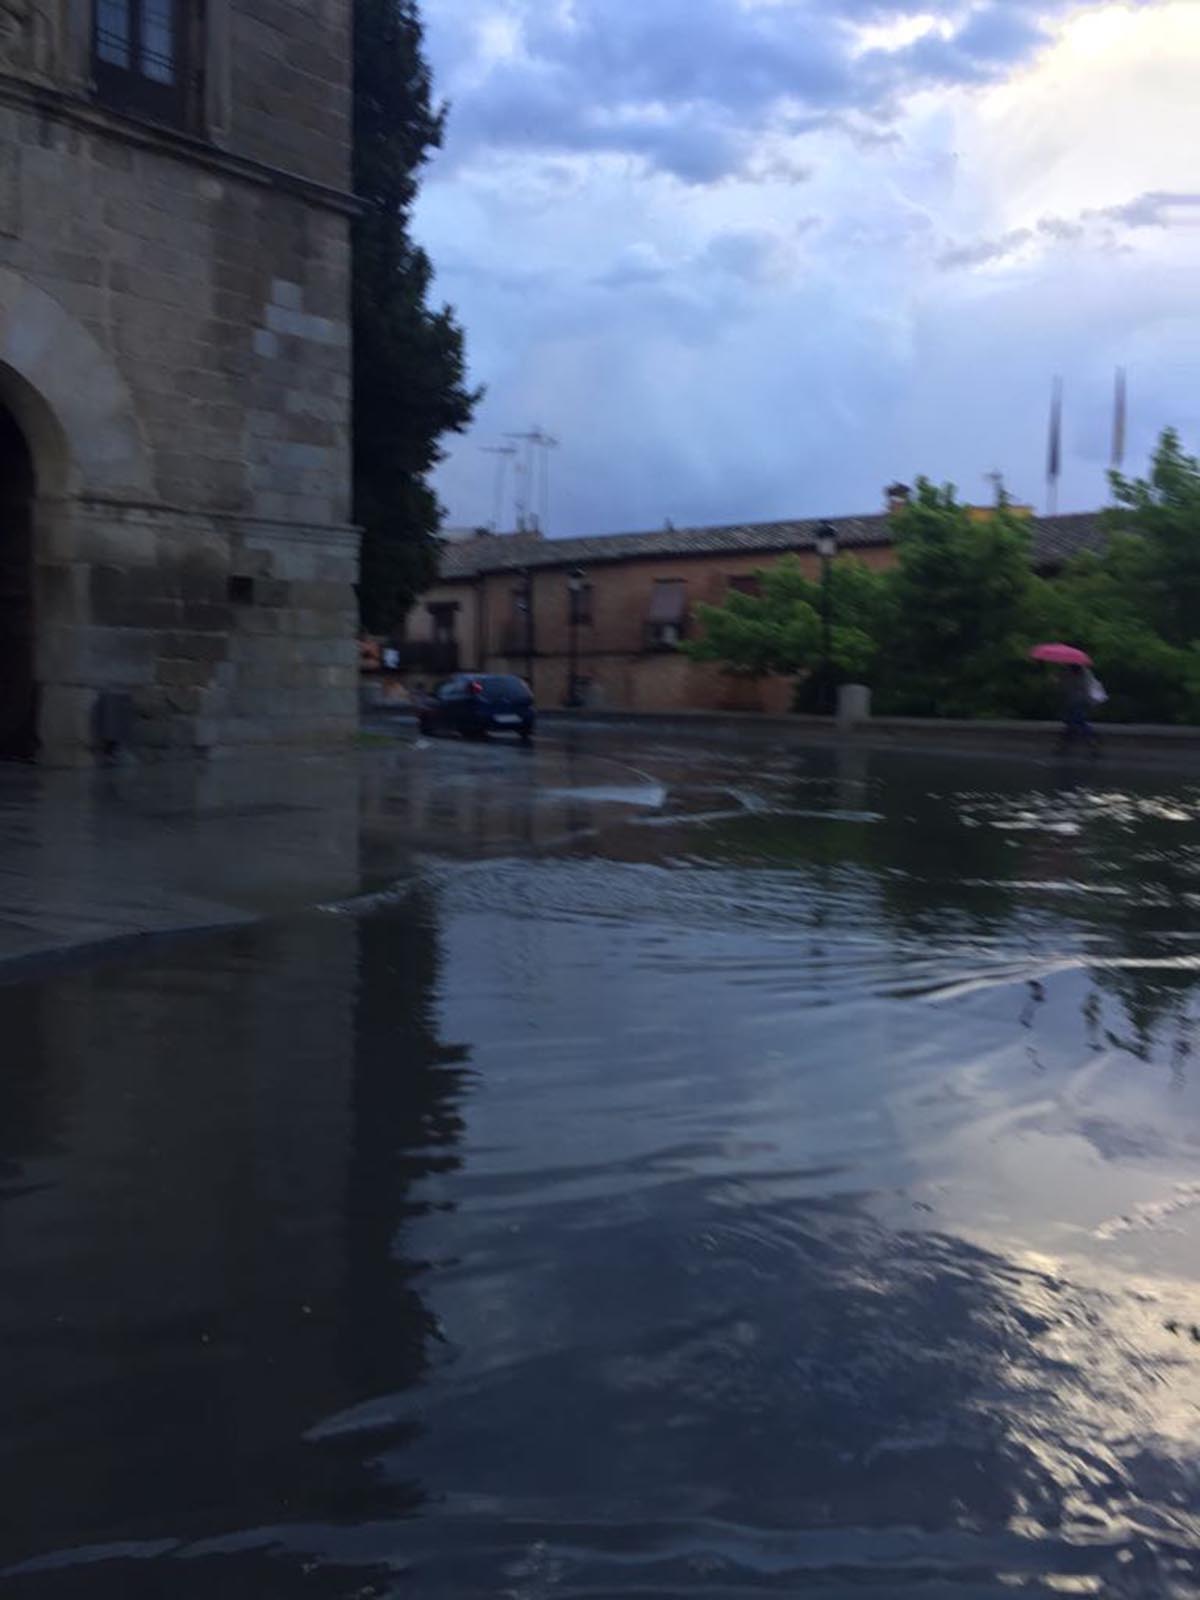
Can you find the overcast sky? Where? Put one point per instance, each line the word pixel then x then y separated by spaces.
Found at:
pixel 756 258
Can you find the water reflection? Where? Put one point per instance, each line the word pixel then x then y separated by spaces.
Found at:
pixel 997 877
pixel 210 1164
pixel 714 1173
pixel 407 1125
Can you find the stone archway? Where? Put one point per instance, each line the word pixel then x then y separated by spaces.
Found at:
pixel 70 434
pixel 18 684
pixel 73 405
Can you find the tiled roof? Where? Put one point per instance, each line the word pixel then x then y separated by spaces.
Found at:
pixel 1058 539
pixel 1055 539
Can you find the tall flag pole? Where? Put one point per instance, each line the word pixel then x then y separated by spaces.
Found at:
pixel 1120 416
pixel 1054 456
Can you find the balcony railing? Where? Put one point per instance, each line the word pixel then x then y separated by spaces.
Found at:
pixel 665 636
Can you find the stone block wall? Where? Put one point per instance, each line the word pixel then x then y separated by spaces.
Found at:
pixel 175 345
pixel 222 304
pixel 290 85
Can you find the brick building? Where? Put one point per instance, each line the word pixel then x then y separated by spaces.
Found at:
pixel 176 564
pixel 506 603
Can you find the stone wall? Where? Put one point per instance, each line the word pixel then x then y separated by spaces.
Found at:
pixel 175 346
pixel 289 85
pixel 224 633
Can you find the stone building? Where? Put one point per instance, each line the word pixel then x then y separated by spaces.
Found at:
pixel 176 559
pixel 612 611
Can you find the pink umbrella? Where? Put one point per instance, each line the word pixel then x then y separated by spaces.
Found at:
pixel 1062 655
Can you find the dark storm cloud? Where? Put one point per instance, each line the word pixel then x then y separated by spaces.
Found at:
pixel 1101 227
pixel 690 87
pixel 989 41
pixel 981 251
pixel 538 109
pixel 999 34
pixel 743 255
pixel 1157 209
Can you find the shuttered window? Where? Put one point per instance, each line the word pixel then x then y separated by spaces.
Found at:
pixel 666 620
pixel 579 604
pixel 668 601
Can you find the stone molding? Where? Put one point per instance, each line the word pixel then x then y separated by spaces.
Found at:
pixel 270 527
pixel 80 113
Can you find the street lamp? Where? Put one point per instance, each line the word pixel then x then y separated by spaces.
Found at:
pixel 526 605
pixel 575 587
pixel 827 547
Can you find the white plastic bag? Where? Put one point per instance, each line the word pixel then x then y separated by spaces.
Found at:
pixel 1096 691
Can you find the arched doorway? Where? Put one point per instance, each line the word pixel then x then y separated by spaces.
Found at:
pixel 18 687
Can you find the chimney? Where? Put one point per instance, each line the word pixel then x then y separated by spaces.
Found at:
pixel 898 495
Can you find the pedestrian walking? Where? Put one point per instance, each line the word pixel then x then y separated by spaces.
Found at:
pixel 1080 691
pixel 1079 694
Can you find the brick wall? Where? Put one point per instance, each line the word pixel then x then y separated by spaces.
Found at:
pixel 612 648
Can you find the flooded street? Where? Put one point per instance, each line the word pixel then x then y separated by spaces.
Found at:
pixel 672 1171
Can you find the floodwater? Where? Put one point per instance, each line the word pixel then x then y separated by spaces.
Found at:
pixel 677 1172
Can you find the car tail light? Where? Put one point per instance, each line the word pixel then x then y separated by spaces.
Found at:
pixel 475 687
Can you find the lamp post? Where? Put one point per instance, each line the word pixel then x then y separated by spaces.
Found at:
pixel 527 607
pixel 827 546
pixel 575 583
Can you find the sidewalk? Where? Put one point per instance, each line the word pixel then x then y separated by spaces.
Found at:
pixel 95 857
pixel 1126 743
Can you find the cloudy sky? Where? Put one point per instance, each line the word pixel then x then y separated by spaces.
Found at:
pixel 756 258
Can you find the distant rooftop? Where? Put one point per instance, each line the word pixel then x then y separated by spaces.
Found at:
pixel 461 535
pixel 1055 540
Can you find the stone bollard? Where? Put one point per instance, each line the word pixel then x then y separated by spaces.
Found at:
pixel 853 706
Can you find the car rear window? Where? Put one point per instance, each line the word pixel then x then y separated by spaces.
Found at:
pixel 509 688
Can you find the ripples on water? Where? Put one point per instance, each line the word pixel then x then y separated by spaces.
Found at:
pixel 790 1186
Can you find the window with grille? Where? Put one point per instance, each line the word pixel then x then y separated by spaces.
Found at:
pixel 140 56
pixel 666 622
pixel 579 604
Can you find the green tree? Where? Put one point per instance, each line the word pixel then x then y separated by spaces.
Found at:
pixel 955 641
pixel 1100 603
pixel 409 363
pixel 1133 606
pixel 947 631
pixel 779 629
pixel 1160 518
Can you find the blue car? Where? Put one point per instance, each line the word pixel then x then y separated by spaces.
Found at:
pixel 478 703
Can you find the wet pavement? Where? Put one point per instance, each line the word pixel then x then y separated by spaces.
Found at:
pixel 119 855
pixel 622 1169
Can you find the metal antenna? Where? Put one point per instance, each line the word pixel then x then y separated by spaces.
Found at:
pixel 535 439
pixel 504 454
pixel 547 444
pixel 1120 420
pixel 524 476
pixel 1054 454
